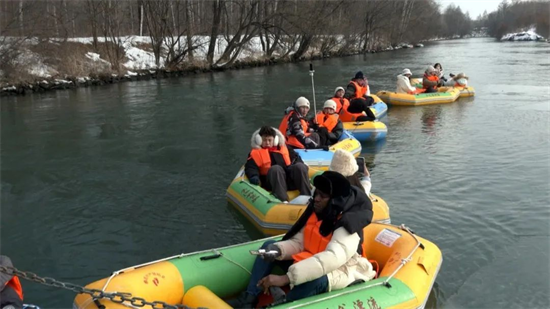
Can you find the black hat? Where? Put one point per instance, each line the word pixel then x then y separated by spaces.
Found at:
pixel 359 75
pixel 332 183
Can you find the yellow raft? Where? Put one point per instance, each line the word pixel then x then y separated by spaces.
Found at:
pixel 409 265
pixel 444 95
pixel 273 217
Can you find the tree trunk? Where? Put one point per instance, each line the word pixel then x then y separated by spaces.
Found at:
pixel 189 30
pixel 216 10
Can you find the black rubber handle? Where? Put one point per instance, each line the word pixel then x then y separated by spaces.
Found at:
pixel 311 66
pixel 210 257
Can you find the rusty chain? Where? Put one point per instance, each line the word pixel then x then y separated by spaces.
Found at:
pixel 115 297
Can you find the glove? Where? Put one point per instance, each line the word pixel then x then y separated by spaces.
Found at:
pixel 311 144
pixel 255 180
pixel 272 257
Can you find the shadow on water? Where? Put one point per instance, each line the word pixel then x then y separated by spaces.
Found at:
pixel 248 226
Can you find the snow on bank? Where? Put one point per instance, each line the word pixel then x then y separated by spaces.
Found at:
pixel 529 35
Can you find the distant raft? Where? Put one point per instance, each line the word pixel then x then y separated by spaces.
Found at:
pixel 270 215
pixel 406 267
pixel 444 95
pixel 320 159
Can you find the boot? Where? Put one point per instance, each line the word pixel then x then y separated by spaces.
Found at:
pixel 244 301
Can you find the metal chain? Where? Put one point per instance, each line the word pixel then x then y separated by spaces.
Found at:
pixel 115 297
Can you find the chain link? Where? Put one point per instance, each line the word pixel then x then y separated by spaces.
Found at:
pixel 115 297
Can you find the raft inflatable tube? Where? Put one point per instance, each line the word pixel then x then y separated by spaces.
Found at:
pixel 379 108
pixel 408 266
pixel 465 92
pixel 365 131
pixel 273 217
pixel 444 95
pixel 320 159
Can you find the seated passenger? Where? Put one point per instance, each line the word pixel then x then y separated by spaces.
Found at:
pixel 358 94
pixel 296 127
pixel 404 83
pixel 430 81
pixel 440 74
pixel 274 166
pixel 322 251
pixel 327 124
pixel 11 292
pixel 459 80
pixel 341 102
pixel 345 163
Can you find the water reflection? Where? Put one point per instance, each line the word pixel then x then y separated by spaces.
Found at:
pixel 431 116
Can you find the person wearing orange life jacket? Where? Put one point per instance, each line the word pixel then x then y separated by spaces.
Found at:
pixel 338 98
pixel 296 127
pixel 328 125
pixel 459 80
pixel 342 105
pixel 430 81
pixel 276 167
pixel 358 94
pixel 11 295
pixel 322 251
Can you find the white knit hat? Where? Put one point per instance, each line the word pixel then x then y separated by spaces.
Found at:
pixel 339 88
pixel 301 101
pixel 329 104
pixel 344 163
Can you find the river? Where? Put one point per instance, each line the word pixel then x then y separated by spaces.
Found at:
pixel 97 179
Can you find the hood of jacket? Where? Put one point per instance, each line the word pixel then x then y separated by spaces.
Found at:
pixel 256 139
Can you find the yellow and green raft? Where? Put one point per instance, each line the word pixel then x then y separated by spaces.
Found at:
pixel 409 265
pixel 271 216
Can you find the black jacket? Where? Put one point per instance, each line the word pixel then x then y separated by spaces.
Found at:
pixel 251 168
pixel 356 211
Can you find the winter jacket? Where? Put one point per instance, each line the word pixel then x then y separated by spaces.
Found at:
pixel 295 128
pixel 341 261
pixel 251 168
pixel 11 292
pixel 404 84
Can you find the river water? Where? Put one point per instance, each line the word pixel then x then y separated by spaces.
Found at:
pixel 97 179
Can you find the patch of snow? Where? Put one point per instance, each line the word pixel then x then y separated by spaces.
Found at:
pixel 529 35
pixel 130 73
pixel 62 81
pixel 81 80
pixel 9 88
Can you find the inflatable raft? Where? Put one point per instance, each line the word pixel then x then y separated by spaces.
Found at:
pixel 273 217
pixel 379 108
pixel 444 95
pixel 408 266
pixel 320 159
pixel 367 130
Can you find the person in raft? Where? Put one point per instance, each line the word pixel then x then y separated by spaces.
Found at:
pixel 404 83
pixel 296 127
pixel 11 292
pixel 430 81
pixel 322 251
pixel 328 125
pixel 274 166
pixel 345 163
pixel 358 95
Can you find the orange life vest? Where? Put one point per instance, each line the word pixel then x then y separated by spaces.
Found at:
pixel 432 78
pixel 314 242
pixel 15 284
pixel 341 103
pixel 291 139
pixel 263 160
pixel 327 121
pixel 359 90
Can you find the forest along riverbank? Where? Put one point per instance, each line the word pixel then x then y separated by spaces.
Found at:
pixel 101 42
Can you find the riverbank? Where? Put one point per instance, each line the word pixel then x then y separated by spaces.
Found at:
pixel 74 63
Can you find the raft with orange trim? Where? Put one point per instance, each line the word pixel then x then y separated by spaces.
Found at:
pixel 270 215
pixel 408 266
pixel 444 95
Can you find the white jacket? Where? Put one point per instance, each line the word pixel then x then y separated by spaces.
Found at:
pixel 404 84
pixel 340 261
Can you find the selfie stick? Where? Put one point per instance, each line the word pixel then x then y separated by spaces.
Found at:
pixel 311 71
